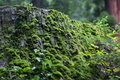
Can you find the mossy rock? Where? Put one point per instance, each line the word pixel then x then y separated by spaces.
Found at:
pixel 38 44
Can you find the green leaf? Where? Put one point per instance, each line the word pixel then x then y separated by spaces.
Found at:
pixel 58 73
pixel 116 69
pixel 65 68
pixel 36 77
pixel 49 62
pixel 26 69
pixel 21 75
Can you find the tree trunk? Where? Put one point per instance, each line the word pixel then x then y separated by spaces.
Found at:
pixel 113 8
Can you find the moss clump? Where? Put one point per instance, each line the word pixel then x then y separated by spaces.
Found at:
pixel 46 44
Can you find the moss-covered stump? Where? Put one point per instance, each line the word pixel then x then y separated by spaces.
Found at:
pixel 40 44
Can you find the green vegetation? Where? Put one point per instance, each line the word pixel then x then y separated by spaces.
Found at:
pixel 40 44
pixel 13 2
pixel 95 10
pixel 81 10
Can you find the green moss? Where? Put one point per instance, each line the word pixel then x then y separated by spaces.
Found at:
pixel 21 62
pixel 48 42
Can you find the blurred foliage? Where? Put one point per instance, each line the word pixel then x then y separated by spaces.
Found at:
pixel 95 9
pixel 92 8
pixel 41 3
pixel 65 6
pixel 13 2
pixel 111 19
pixel 82 10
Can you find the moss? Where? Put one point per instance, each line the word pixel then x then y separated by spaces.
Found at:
pixel 48 42
pixel 21 62
pixel 52 50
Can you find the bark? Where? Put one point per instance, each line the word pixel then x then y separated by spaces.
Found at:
pixel 113 8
